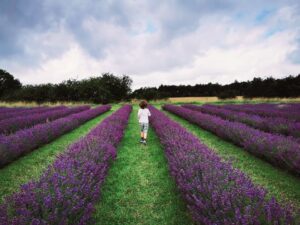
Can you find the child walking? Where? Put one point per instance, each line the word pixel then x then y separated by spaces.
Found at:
pixel 143 115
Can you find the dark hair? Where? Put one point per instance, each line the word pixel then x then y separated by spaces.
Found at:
pixel 143 104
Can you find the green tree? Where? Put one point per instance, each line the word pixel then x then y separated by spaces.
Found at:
pixel 8 83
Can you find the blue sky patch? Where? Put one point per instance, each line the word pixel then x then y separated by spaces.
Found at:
pixel 263 15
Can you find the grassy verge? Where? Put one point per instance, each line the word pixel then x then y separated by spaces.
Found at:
pixel 32 165
pixel 138 189
pixel 284 186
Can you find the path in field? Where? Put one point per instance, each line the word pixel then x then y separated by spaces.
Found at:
pixel 281 184
pixel 33 164
pixel 138 189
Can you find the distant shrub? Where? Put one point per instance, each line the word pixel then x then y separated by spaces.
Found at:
pixel 227 94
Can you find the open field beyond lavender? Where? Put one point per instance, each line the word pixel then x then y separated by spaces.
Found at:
pixel 203 164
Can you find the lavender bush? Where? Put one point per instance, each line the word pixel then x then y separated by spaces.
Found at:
pixel 214 191
pixel 11 125
pixel 68 189
pixel 273 125
pixel 293 115
pixel 268 106
pixel 13 109
pixel 279 150
pixel 26 111
pixel 24 141
pixel 292 106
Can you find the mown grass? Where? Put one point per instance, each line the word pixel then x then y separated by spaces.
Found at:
pixel 138 189
pixel 32 165
pixel 280 184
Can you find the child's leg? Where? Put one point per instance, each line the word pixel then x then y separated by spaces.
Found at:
pixel 145 130
pixel 142 131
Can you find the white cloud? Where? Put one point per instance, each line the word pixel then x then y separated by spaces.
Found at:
pixel 219 48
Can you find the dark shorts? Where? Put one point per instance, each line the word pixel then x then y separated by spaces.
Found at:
pixel 144 127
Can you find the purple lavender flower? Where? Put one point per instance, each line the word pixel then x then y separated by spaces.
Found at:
pixel 21 112
pixel 279 150
pixel 214 191
pixel 293 115
pixel 24 141
pixel 10 125
pixel 69 188
pixel 277 125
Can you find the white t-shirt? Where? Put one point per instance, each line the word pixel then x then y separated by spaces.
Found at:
pixel 143 115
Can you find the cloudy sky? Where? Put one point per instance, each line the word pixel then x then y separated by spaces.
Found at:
pixel 154 42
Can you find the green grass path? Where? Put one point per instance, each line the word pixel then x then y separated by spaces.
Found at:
pixel 33 164
pixel 281 184
pixel 138 188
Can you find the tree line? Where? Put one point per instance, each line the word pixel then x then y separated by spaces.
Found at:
pixel 99 89
pixel 258 87
pixel 109 88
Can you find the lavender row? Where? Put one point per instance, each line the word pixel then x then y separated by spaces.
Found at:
pixel 4 108
pixel 270 106
pixel 5 113
pixel 13 109
pixel 12 125
pixel 273 125
pixel 260 106
pixel 293 116
pixel 293 106
pixel 68 189
pixel 24 141
pixel 214 191
pixel 285 108
pixel 31 111
pixel 281 151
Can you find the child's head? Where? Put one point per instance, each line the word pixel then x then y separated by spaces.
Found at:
pixel 143 104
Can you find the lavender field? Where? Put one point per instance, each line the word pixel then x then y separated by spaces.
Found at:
pixel 203 164
pixel 149 112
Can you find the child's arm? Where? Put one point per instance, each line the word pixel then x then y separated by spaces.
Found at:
pixel 139 114
pixel 149 113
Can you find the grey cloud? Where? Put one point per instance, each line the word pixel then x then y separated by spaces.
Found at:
pixel 25 24
pixel 20 18
pixel 294 57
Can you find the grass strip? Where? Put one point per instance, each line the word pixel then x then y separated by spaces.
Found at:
pixel 138 188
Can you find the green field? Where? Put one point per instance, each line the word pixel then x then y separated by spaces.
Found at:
pixel 138 188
